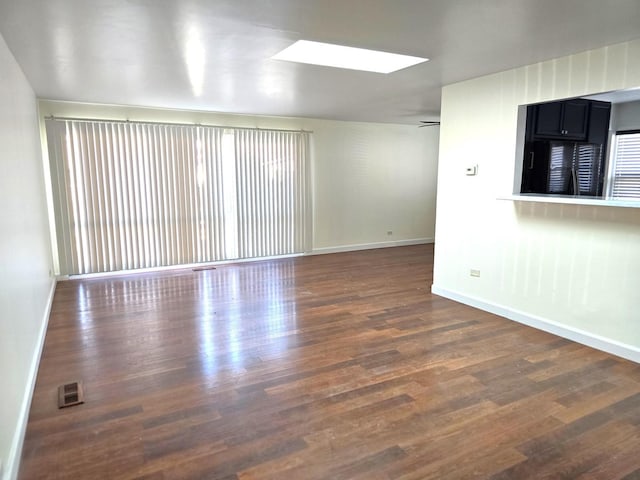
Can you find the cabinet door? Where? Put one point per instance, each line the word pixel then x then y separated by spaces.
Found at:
pixel 599 122
pixel 574 119
pixel 549 120
pixel 566 119
pixel 535 170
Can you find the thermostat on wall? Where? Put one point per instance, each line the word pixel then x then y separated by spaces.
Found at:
pixel 472 170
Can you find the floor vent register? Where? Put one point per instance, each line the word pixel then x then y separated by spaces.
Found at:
pixel 70 394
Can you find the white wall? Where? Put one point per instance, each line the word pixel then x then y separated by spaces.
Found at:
pixel 368 179
pixel 627 116
pixel 571 269
pixel 25 259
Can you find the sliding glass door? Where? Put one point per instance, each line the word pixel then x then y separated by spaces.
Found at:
pixel 133 195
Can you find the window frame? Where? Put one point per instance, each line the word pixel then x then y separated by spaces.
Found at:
pixel 611 163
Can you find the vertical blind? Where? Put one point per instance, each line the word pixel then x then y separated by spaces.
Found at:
pixel 626 166
pixel 138 195
pixel 270 192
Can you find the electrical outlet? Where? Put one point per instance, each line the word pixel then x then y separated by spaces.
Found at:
pixel 474 273
pixel 389 232
pixel 471 170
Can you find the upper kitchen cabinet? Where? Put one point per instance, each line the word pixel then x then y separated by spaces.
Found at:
pixel 568 119
pixel 599 115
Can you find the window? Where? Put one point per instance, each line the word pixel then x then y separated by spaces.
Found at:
pixel 131 195
pixel 625 165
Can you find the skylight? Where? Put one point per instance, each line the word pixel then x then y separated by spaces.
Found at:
pixel 329 55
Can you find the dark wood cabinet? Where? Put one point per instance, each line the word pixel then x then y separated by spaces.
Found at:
pixel 599 114
pixel 548 119
pixel 535 171
pixel 567 119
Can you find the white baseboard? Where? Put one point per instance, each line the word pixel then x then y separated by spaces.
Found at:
pixel 370 246
pixel 13 462
pixel 598 342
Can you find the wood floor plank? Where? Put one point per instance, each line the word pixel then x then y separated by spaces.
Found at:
pixel 339 366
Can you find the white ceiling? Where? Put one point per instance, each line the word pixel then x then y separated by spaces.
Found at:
pixel 214 54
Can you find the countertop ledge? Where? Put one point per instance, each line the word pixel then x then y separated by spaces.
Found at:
pixel 573 200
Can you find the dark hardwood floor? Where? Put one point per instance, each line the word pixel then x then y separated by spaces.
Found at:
pixel 339 366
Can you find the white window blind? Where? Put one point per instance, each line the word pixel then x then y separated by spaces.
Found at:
pixel 575 161
pixel 588 167
pixel 625 181
pixel 138 195
pixel 561 157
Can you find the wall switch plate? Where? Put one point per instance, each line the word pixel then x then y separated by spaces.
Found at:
pixel 472 170
pixel 474 273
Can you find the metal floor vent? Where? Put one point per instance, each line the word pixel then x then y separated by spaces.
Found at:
pixel 70 394
pixel 202 269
